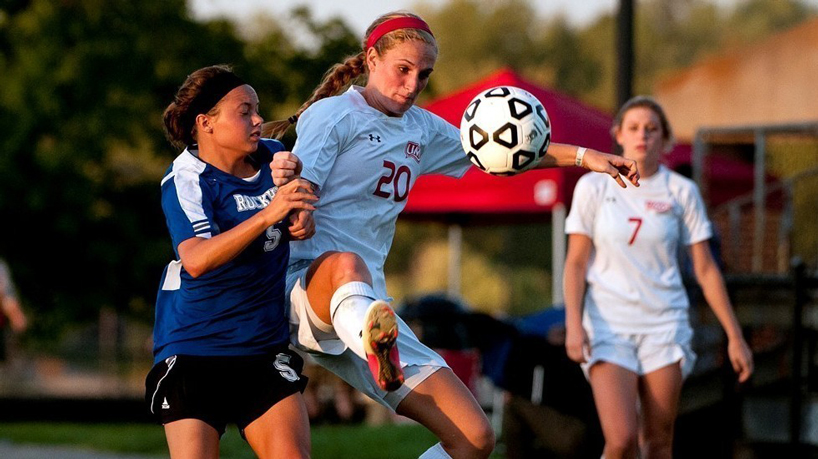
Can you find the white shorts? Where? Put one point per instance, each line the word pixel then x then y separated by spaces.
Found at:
pixel 643 353
pixel 417 360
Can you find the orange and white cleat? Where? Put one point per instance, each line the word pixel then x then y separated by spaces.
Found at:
pixel 380 335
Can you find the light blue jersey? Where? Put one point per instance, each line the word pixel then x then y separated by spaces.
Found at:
pixel 238 308
pixel 364 163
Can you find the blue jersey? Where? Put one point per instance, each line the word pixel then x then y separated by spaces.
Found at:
pixel 237 308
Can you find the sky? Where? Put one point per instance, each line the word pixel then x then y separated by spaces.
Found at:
pixel 359 13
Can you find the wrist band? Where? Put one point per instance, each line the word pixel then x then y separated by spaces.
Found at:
pixel 580 155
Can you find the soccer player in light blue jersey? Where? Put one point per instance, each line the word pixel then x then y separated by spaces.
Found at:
pixel 364 149
pixel 221 333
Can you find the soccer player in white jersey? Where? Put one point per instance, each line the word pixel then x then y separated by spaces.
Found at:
pixel 364 149
pixel 221 338
pixel 626 307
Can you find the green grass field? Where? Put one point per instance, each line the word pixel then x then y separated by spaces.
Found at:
pixel 337 442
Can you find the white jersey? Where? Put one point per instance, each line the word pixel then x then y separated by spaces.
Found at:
pixel 364 163
pixel 634 281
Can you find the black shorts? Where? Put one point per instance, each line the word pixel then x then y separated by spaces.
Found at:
pixel 222 390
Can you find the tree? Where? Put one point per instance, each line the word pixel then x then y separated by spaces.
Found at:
pixel 84 88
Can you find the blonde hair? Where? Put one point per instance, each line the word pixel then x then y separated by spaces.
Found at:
pixel 340 76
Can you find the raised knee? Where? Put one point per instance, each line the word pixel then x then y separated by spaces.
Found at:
pixel 484 442
pixel 349 267
pixel 480 441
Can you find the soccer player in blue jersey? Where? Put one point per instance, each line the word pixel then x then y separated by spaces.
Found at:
pixel 221 333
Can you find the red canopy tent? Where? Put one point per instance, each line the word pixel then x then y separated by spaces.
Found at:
pixel 538 192
pixel 541 192
pixel 533 192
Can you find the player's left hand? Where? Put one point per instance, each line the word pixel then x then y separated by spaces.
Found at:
pixel 741 358
pixel 302 225
pixel 613 165
pixel 285 166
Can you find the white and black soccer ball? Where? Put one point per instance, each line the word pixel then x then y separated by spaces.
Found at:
pixel 505 130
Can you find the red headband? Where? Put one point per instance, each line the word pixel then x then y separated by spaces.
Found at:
pixel 402 22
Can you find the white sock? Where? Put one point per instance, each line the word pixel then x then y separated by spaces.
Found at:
pixel 435 452
pixel 347 309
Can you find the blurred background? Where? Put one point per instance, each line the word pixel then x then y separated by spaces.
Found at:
pixel 83 84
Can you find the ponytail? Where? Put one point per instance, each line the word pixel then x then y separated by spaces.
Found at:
pixel 335 81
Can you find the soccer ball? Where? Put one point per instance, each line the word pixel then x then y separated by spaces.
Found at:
pixel 505 130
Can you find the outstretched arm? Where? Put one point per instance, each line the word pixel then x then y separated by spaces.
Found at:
pixel 710 279
pixel 564 155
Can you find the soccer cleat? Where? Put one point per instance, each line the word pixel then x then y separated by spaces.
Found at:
pixel 380 335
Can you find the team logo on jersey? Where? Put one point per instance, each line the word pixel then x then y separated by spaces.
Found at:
pixel 261 201
pixel 658 206
pixel 413 150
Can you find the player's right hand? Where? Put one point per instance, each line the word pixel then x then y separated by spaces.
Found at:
pixel 613 165
pixel 741 358
pixel 576 344
pixel 286 167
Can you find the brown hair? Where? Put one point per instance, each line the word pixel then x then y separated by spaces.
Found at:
pixel 651 104
pixel 179 119
pixel 353 67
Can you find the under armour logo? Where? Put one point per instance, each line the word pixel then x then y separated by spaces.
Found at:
pixel 374 138
pixel 610 199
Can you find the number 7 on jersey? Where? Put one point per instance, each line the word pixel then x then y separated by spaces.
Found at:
pixel 638 222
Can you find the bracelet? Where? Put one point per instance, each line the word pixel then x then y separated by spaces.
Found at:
pixel 580 156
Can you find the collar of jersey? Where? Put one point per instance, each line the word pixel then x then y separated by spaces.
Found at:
pixel 221 173
pixel 660 172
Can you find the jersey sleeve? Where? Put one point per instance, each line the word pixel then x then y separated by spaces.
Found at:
pixel 446 154
pixel 188 208
pixel 321 133
pixel 696 226
pixel 584 206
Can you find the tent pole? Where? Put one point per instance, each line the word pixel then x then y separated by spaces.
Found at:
pixel 557 251
pixel 455 249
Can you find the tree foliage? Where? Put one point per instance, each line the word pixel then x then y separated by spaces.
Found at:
pixel 84 86
pixel 478 37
